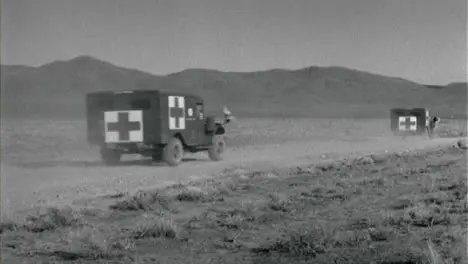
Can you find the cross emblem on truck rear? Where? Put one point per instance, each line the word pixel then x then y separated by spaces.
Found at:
pixel 408 123
pixel 123 126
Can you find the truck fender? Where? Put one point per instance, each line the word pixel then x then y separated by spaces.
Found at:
pixel 220 130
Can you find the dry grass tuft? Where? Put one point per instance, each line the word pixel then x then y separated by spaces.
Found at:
pixel 321 193
pixel 85 243
pixel 51 219
pixel 307 244
pixel 278 202
pixel 366 160
pixel 8 226
pixel 401 203
pixel 194 194
pixel 426 215
pixel 146 201
pixel 373 181
pixel 155 227
pixel 230 218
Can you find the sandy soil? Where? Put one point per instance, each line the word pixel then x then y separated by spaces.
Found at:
pixel 76 177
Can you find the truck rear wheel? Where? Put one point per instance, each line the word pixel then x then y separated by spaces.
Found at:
pixel 173 152
pixel 217 148
pixel 110 156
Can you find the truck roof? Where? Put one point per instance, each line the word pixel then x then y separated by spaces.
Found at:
pixel 142 91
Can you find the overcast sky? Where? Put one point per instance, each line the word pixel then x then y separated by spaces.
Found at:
pixel 420 40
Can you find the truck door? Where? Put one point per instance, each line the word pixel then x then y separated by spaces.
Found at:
pixel 191 133
pixel 200 117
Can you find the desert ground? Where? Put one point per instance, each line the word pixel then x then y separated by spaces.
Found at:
pixel 270 199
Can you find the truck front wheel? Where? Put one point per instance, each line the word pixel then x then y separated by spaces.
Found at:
pixel 217 148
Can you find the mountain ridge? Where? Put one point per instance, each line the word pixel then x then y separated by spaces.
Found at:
pixel 87 59
pixel 312 91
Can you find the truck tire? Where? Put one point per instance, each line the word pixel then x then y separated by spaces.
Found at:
pixel 110 156
pixel 217 148
pixel 173 152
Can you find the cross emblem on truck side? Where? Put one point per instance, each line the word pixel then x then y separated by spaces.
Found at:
pixel 123 126
pixel 176 112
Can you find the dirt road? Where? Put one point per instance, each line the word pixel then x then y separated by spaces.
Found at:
pixel 80 176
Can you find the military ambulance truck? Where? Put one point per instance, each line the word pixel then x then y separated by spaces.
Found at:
pixel 152 123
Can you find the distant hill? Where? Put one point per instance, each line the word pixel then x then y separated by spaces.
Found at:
pixel 57 90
